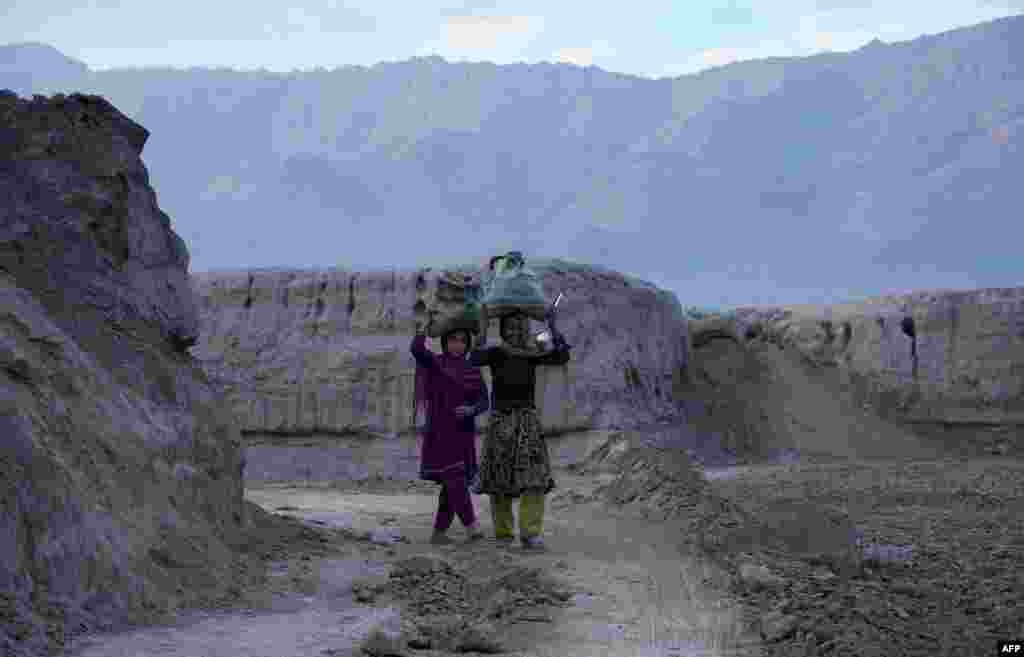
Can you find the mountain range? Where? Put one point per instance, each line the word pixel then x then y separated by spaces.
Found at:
pixel 783 180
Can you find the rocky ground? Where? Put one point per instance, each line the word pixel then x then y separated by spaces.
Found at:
pixel 458 605
pixel 867 558
pixel 934 564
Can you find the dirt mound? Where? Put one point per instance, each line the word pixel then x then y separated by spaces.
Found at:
pixel 454 607
pixel 664 484
pixel 762 401
pixel 734 398
pixel 935 360
pixel 879 558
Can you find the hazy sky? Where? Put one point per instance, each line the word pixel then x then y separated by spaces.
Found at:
pixel 651 38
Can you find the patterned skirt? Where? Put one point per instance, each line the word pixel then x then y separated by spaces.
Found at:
pixel 515 455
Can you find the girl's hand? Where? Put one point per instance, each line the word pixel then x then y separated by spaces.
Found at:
pixel 424 324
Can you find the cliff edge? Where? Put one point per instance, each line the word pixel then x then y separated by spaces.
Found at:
pixel 121 475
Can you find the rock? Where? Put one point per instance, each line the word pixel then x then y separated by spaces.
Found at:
pixel 911 589
pixel 365 596
pixel 776 625
pixel 120 468
pixel 420 643
pixel 479 637
pixel 388 636
pixel 371 582
pixel 825 631
pixel 885 554
pixel 824 576
pixel 384 642
pixel 756 578
pixel 328 351
pixel 607 457
pixel 418 565
pixel 385 536
pixel 499 605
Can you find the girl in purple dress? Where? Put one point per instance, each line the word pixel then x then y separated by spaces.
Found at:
pixel 452 393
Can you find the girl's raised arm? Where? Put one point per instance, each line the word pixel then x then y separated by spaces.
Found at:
pixel 423 356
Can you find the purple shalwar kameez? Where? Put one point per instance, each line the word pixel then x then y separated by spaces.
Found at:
pixel 448 452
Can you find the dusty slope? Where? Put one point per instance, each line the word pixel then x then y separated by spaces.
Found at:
pixel 761 400
pixel 947 363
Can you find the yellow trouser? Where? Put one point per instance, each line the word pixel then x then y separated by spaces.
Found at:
pixel 531 515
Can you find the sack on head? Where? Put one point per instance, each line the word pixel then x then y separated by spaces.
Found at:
pixel 461 311
pixel 512 287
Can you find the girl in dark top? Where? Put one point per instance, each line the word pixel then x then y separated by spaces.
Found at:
pixel 515 462
pixel 452 393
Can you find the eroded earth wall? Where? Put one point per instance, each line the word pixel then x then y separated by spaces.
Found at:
pixel 305 352
pixel 120 470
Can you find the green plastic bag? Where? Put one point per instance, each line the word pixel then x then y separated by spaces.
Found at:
pixel 512 287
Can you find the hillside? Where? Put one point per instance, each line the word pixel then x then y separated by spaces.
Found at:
pixel 860 167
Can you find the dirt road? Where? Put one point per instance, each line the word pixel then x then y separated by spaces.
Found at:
pixel 636 594
pixel 633 592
